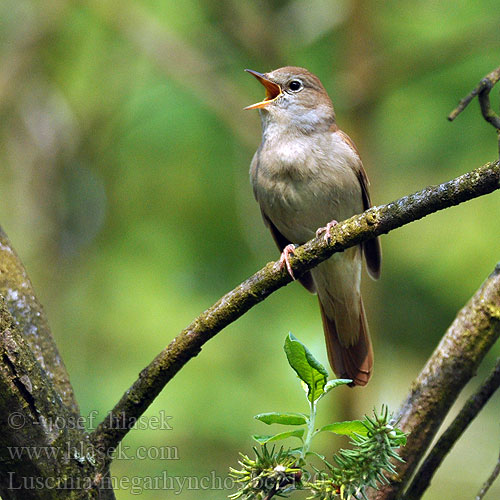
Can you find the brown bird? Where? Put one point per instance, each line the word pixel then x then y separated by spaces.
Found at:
pixel 307 174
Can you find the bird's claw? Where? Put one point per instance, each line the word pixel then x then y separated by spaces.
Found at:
pixel 326 230
pixel 284 259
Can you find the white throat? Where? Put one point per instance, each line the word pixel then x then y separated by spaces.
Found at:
pixel 292 118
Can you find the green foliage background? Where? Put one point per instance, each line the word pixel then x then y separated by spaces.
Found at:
pixel 124 155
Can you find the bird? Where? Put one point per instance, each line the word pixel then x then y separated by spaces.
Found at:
pixel 306 175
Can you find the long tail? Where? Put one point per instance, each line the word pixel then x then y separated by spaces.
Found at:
pixel 353 361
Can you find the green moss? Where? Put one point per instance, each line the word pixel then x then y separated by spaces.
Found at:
pixel 493 311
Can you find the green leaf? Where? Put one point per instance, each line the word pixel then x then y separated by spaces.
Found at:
pixel 331 384
pixel 282 418
pixel 348 428
pixel 262 439
pixel 307 367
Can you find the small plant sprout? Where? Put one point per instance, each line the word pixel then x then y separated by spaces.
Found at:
pixel 280 472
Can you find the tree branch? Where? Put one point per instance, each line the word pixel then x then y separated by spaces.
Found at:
pixel 454 362
pixel 471 409
pixel 373 222
pixel 29 317
pixel 44 450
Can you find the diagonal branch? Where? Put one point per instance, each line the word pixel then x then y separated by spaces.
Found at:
pixel 375 221
pixel 470 410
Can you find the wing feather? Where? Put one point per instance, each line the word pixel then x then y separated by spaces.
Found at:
pixel 371 248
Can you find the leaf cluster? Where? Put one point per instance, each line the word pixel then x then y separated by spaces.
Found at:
pixel 280 472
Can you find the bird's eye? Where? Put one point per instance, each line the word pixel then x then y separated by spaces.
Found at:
pixel 295 85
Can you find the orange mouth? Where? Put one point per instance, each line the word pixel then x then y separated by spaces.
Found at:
pixel 273 90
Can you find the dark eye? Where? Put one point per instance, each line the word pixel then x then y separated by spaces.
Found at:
pixel 295 85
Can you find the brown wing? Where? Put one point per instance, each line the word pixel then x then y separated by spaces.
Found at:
pixel 371 248
pixel 306 279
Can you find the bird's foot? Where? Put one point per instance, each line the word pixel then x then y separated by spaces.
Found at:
pixel 326 230
pixel 284 259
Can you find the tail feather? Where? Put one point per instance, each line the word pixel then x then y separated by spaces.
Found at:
pixel 353 361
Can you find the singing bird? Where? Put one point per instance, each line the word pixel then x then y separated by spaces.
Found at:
pixel 307 174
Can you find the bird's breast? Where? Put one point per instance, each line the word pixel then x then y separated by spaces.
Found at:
pixel 301 183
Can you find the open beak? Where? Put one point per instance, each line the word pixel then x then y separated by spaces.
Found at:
pixel 273 90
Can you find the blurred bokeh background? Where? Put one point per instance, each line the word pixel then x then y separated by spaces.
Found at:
pixel 124 155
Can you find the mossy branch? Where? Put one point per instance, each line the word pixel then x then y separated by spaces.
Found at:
pixel 38 410
pixel 33 417
pixel 454 362
pixel 470 410
pixel 29 317
pixel 373 222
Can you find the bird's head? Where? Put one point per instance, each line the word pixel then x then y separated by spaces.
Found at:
pixel 294 97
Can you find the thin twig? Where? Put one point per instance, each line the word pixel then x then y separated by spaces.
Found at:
pixel 373 222
pixel 471 409
pixel 486 84
pixel 483 92
pixel 487 484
